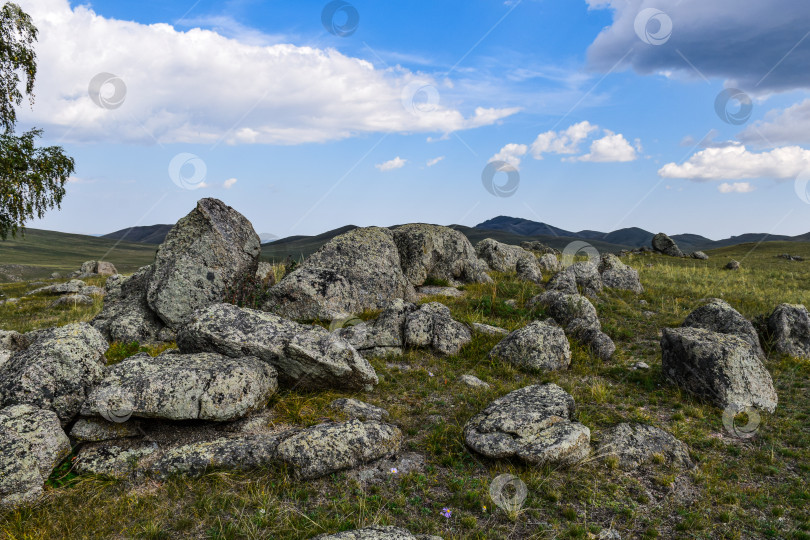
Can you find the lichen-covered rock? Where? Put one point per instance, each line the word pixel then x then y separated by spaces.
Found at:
pixel 98 268
pixel 204 386
pixel 382 336
pixel 432 326
pixel 117 459
pixel 431 290
pixel 331 447
pixel 661 243
pixel 539 247
pixel 790 326
pixel 74 286
pixel 700 256
pixel 32 443
pixel 637 444
pixel 538 346
pixel 242 452
pixel 549 263
pixel 472 381
pixel 354 408
pixel 440 253
pixel 565 308
pixel 56 371
pixel 718 316
pixel 528 270
pixel 207 251
pixel 499 256
pixel 126 315
pixel 582 275
pixel 305 356
pixel 98 429
pixel 376 532
pixel 73 300
pixel 591 335
pixel 534 424
pixel 489 329
pixel 11 342
pixel 720 368
pixel 617 275
pixel 354 272
pixel 732 265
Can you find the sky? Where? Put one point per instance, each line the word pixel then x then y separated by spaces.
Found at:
pixel 677 116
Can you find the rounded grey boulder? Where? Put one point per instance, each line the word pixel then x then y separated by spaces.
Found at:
pixel 126 315
pixel 534 424
pixel 617 275
pixel 661 243
pixel 436 252
pixel 432 326
pixel 790 326
pixel 539 346
pixel 718 316
pixel 637 444
pixel 499 256
pixel 32 443
pixel 720 368
pixel 207 251
pixel 354 272
pixel 203 386
pixel 57 371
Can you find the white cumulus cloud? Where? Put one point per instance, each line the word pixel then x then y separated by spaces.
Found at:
pixel 229 183
pixel 737 162
pixel 613 147
pixel 781 127
pixel 736 187
pixel 562 142
pixel 511 153
pixel 199 86
pixel 396 163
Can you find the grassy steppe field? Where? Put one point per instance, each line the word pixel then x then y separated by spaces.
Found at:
pixel 741 488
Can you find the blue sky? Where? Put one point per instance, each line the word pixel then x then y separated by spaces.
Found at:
pixel 606 109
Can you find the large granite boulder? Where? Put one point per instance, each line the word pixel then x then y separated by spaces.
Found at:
pixel 206 252
pixel 204 386
pixel 439 253
pixel 539 345
pixel 57 371
pixel 331 447
pixel 617 275
pixel 790 326
pixel 721 368
pixel 305 356
pixel 32 443
pixel 582 275
pixel 432 326
pixel 534 424
pixel 661 243
pixel 126 315
pixel 634 445
pixel 528 269
pixel 499 256
pixel 718 316
pixel 354 272
pixel 383 336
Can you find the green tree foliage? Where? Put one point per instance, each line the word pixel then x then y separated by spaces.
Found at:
pixel 32 179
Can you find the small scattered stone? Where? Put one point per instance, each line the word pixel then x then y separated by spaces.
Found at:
pixel 733 265
pixel 472 381
pixel 354 408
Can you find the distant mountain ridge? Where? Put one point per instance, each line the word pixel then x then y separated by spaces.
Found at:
pixel 631 236
pixel 149 234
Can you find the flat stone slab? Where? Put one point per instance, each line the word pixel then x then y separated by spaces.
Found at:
pixel 204 386
pixel 638 444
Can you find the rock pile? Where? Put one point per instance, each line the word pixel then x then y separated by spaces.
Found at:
pixel 95 268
